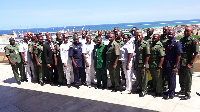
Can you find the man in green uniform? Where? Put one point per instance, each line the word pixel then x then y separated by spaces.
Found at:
pixel 58 61
pixel 12 53
pixel 149 36
pixel 30 50
pixel 190 52
pixel 120 42
pixel 141 62
pixel 155 64
pixel 112 57
pixel 99 56
pixel 39 57
pixel 99 35
pixel 163 39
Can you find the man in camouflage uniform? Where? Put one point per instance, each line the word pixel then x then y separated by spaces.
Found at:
pixel 141 62
pixel 112 57
pixel 12 53
pixel 149 36
pixel 58 61
pixel 155 64
pixel 163 39
pixel 118 39
pixel 30 49
pixel 190 53
pixel 39 57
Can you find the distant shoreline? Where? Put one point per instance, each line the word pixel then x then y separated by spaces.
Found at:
pixel 139 25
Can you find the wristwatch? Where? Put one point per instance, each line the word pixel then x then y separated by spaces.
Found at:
pixel 175 66
pixel 144 66
pixel 160 67
pixel 191 63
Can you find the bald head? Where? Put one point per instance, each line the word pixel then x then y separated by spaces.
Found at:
pixel 47 34
pixel 150 31
pixel 29 34
pixel 99 32
pixel 156 38
pixel 188 31
pixel 34 39
pixel 165 30
pixel 84 34
pixel 139 36
pixel 111 37
pixel 12 41
pixel 99 40
pixel 170 34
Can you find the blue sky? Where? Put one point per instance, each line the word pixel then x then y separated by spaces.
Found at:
pixel 53 13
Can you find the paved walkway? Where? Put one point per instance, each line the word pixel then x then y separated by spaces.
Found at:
pixel 35 98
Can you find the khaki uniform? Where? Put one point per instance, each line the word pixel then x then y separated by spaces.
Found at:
pixel 13 52
pixel 156 53
pixel 190 45
pixel 112 51
pixel 142 49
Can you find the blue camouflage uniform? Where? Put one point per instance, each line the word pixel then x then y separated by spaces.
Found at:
pixel 172 48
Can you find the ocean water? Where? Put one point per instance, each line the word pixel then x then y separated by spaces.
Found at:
pixel 139 25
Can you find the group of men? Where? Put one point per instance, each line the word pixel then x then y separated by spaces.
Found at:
pixel 122 55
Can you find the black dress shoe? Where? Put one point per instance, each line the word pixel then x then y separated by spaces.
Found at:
pixel 115 90
pixel 77 87
pixel 168 97
pixel 69 85
pixel 157 95
pixel 18 82
pixel 198 93
pixel 141 94
pixel 164 89
pixel 42 83
pixel 185 98
pixel 52 84
pixel 104 87
pixel 83 83
pixel 97 87
pixel 181 92
pixel 111 87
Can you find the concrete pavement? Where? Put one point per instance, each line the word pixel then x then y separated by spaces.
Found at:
pixel 33 97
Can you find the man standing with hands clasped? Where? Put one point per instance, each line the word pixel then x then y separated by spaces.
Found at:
pixel 173 50
pixel 190 53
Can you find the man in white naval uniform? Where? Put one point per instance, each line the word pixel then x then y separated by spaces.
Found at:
pixel 126 56
pixel 89 61
pixel 82 40
pixel 66 60
pixel 26 57
pixel 105 40
pixel 132 39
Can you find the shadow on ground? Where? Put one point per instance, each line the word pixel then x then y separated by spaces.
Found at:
pixel 17 100
pixel 10 80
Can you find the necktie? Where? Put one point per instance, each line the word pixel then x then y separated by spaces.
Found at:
pixel 52 47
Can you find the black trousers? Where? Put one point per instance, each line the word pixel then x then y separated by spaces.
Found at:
pixel 79 73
